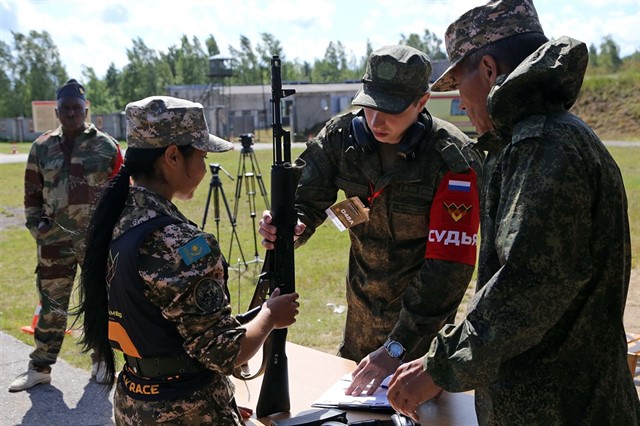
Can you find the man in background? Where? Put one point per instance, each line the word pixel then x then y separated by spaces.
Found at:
pixel 543 340
pixel 65 169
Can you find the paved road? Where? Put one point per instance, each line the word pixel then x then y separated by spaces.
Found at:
pixel 72 399
pixel 22 157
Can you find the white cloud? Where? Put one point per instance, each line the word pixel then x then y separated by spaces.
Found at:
pixel 97 33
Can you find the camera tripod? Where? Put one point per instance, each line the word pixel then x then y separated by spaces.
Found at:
pixel 215 188
pixel 251 177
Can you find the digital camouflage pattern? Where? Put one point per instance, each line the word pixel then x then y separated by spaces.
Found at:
pixel 211 335
pixel 394 76
pixel 484 25
pixel 160 121
pixel 198 408
pixel 60 187
pixel 543 340
pixel 392 291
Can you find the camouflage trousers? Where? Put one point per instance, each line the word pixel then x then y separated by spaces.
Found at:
pixel 55 274
pixel 200 407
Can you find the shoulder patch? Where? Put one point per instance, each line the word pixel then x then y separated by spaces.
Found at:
pixel 209 296
pixel 194 250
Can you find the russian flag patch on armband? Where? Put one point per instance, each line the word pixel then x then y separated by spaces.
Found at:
pixel 454 219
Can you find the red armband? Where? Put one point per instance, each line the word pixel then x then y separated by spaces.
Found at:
pixel 117 163
pixel 454 219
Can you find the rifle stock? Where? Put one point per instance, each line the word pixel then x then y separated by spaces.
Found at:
pixel 274 393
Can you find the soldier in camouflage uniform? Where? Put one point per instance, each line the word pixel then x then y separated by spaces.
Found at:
pixel 411 262
pixel 155 287
pixel 65 169
pixel 543 340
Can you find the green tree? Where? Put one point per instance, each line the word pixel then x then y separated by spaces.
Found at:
pixel 593 55
pixel 245 63
pixel 7 100
pixel 188 62
pixel 37 70
pixel 266 49
pixel 609 57
pixel 103 101
pixel 145 74
pixel 429 43
pixel 112 83
pixel 212 46
pixel 333 68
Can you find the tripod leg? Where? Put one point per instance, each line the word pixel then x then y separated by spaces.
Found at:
pixel 234 233
pixel 240 175
pixel 251 193
pixel 216 209
pixel 206 206
pixel 263 189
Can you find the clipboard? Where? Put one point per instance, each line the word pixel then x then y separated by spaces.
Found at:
pixel 334 397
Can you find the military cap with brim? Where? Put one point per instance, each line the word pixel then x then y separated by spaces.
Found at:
pixel 393 78
pixel 160 121
pixel 482 26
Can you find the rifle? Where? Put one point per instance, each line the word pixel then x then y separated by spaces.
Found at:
pixel 279 266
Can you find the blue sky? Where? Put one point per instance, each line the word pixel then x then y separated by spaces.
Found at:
pixel 97 32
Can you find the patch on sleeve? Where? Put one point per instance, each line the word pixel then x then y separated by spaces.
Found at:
pixel 194 250
pixel 454 219
pixel 209 296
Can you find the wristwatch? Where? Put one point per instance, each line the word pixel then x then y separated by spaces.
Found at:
pixel 395 349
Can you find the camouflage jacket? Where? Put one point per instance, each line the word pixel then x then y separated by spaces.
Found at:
pixel 183 293
pixel 392 291
pixel 543 339
pixel 60 185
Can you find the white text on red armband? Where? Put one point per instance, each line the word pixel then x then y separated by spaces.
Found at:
pixel 456 238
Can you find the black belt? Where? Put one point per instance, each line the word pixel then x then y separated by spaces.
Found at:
pixel 154 367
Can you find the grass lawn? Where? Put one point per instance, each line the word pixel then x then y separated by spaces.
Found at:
pixel 320 265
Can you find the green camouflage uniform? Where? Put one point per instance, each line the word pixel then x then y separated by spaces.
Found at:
pixel 392 291
pixel 211 335
pixel 543 341
pixel 60 188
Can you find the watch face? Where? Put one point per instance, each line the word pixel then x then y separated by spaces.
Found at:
pixel 395 349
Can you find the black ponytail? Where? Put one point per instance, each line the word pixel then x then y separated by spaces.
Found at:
pixel 94 288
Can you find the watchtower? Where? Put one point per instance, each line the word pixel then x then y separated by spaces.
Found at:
pixel 216 96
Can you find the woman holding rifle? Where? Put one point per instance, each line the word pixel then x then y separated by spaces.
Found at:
pixel 155 286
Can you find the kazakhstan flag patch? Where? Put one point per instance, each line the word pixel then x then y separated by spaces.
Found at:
pixel 194 250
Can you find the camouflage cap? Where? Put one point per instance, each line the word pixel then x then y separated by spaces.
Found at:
pixel 160 121
pixel 71 89
pixel 394 76
pixel 482 26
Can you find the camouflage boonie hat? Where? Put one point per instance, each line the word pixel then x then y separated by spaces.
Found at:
pixel 394 77
pixel 484 25
pixel 160 121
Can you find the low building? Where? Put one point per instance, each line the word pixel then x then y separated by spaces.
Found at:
pixel 234 110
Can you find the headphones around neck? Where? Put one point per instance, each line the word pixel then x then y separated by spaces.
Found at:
pixel 408 146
